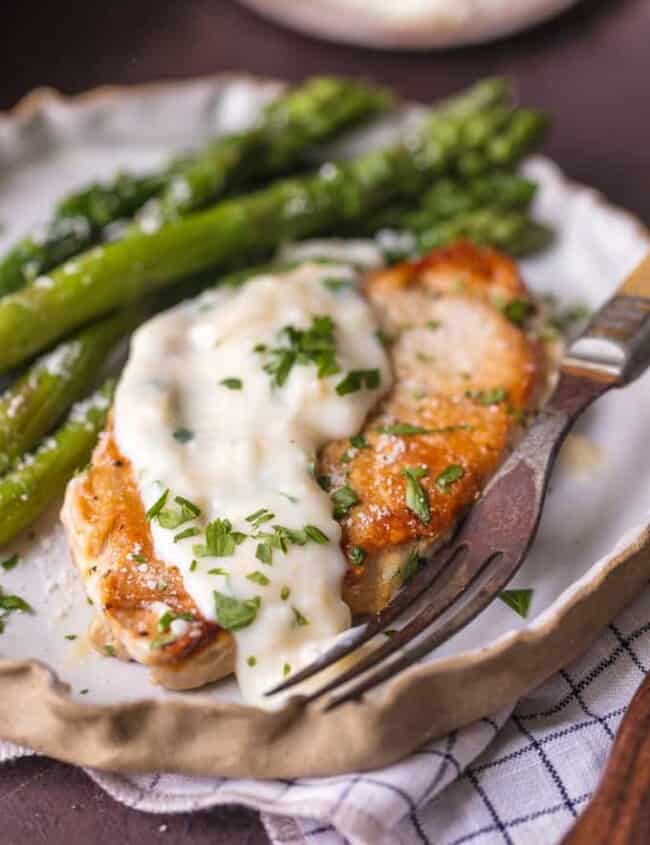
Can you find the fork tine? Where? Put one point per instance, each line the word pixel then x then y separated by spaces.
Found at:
pixel 509 511
pixel 463 616
pixel 423 579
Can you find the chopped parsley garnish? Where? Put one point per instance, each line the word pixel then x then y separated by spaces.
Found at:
pixel 517 310
pixel 165 621
pixel 357 442
pixel 286 670
pixel 264 553
pixel 384 337
pixel 324 482
pixel 357 380
pixel 259 517
pixel 299 620
pixel 9 604
pixel 193 566
pixel 336 285
pixel 252 661
pixel 402 429
pixel 109 650
pixel 315 345
pixel 234 614
pixel 316 535
pixel 411 566
pixel 293 499
pixel 258 577
pixel 173 517
pixel 518 600
pixel 449 476
pixel 433 324
pixel 344 498
pixel 357 555
pixel 11 562
pixel 487 397
pixel 232 383
pixel 220 540
pixel 188 532
pixel 217 570
pixel 157 506
pixel 417 499
pixel 282 537
pixel 285 592
pixel 70 637
pixel 183 435
pixel 137 557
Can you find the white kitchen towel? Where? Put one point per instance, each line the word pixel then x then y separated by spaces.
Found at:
pixel 517 778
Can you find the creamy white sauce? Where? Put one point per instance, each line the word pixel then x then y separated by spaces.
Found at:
pixel 251 448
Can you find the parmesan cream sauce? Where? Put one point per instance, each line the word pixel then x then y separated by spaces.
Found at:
pixel 251 448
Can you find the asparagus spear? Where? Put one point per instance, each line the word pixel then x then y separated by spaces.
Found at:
pixel 36 402
pixel 41 477
pixel 311 114
pixel 109 277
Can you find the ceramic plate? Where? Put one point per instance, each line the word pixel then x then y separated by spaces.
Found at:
pixel 588 560
pixel 418 25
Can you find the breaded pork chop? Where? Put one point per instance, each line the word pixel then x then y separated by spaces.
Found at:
pixel 464 375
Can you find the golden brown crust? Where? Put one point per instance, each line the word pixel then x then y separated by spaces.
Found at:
pixel 116 553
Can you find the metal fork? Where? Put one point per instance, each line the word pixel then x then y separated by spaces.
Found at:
pixel 492 543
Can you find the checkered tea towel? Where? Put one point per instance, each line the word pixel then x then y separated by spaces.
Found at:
pixel 519 777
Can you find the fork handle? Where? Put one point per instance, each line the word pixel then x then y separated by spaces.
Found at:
pixel 638 282
pixel 619 811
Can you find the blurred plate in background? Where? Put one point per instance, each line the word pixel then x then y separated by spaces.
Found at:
pixel 409 24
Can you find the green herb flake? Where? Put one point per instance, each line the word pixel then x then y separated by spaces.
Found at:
pixel 193 566
pixel 217 570
pixel 260 517
pixel 136 556
pixel 449 476
pixel 109 650
pixel 252 661
pixel 315 345
pixel 402 429
pixel 220 540
pixel 165 621
pixel 517 310
pixel 183 435
pixel 316 535
pixel 258 577
pixel 433 325
pixel 157 506
pixel 494 396
pixel 286 669
pixel 518 600
pixel 13 603
pixel 357 555
pixel 324 482
pixel 293 499
pixel 344 498
pixel 84 691
pixel 299 620
pixel 234 614
pixel 285 592
pixel 264 553
pixel 385 338
pixel 417 499
pixel 336 285
pixel 188 532
pixel 70 637
pixel 10 563
pixel 356 380
pixel 232 383
pixel 411 566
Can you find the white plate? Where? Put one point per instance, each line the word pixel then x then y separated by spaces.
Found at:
pixel 51 145
pixel 414 25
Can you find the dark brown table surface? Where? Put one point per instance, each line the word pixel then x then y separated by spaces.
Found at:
pixel 590 68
